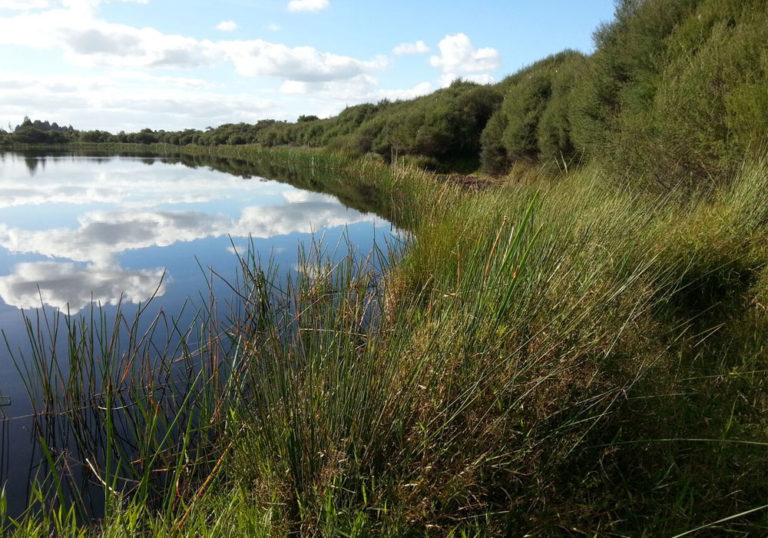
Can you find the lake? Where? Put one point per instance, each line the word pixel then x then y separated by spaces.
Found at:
pixel 78 231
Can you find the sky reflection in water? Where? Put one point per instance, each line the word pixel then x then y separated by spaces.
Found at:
pixel 77 229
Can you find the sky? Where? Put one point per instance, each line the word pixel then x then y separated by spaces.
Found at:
pixel 174 64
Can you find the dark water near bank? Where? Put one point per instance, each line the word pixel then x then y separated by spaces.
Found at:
pixel 77 231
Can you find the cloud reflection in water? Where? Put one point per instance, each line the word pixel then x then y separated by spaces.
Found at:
pixel 63 285
pixel 100 236
pixel 125 210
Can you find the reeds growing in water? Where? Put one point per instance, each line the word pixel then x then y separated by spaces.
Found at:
pixel 564 354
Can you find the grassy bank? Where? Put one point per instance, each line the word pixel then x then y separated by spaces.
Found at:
pixel 551 357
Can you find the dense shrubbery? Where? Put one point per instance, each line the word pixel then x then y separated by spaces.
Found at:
pixel 672 88
pixel 533 123
pixel 444 126
pixel 671 93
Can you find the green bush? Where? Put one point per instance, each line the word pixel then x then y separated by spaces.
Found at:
pixel 533 122
pixel 673 90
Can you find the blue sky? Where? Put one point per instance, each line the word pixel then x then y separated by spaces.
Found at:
pixel 172 64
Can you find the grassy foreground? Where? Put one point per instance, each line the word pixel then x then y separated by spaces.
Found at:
pixel 548 357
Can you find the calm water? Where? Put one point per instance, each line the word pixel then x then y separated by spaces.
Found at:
pixel 77 230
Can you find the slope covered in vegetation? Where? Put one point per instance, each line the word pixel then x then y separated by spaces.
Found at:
pixel 674 90
pixel 577 353
pixel 562 357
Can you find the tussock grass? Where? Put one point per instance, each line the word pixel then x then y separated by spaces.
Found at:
pixel 549 357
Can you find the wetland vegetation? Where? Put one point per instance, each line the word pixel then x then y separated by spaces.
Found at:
pixel 574 341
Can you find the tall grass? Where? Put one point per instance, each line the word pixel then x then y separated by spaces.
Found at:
pixel 556 357
pixel 122 403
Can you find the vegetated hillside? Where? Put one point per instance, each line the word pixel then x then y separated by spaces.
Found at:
pixel 674 91
pixel 676 88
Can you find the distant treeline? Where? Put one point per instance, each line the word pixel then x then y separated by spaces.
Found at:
pixel 676 89
pixel 39 132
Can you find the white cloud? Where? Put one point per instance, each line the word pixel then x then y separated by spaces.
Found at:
pixel 68 285
pixel 88 41
pixel 359 86
pixel 24 5
pixel 274 27
pixel 294 87
pixel 128 99
pixel 361 89
pixel 128 94
pixel 227 26
pixel 423 88
pixel 458 57
pixel 308 5
pixel 158 81
pixel 419 47
pixel 481 78
pixel 307 64
pixel 330 98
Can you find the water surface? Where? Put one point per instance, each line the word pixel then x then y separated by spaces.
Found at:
pixel 77 231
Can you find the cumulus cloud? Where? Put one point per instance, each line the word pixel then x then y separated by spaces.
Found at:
pixel 95 41
pixel 308 5
pixel 361 85
pixel 73 286
pixel 330 98
pixel 419 47
pixel 422 88
pixel 128 93
pixel 23 5
pixel 89 42
pixel 459 57
pixel 305 64
pixel 227 26
pixel 360 89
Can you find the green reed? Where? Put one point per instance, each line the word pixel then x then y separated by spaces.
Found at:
pixel 548 356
